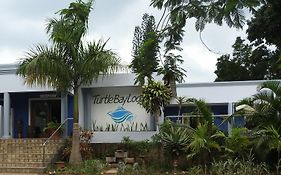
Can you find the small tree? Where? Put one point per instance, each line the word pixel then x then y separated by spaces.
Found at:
pixel 154 97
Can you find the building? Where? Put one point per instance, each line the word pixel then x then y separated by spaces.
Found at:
pixel 106 106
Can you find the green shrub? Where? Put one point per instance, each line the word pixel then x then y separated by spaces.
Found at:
pixel 94 167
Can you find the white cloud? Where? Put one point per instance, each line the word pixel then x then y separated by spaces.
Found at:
pixel 23 25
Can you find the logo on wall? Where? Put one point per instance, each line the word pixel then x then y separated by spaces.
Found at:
pixel 121 115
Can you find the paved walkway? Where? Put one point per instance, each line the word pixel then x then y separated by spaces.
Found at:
pixel 112 171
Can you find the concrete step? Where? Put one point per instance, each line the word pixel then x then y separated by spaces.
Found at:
pixel 26 155
pixel 21 164
pixel 23 170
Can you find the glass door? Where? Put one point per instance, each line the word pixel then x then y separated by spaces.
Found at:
pixel 43 112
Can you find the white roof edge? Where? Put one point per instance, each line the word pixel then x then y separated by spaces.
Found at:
pixel 224 83
pixel 8 68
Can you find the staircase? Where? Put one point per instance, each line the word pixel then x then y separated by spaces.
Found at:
pixel 26 155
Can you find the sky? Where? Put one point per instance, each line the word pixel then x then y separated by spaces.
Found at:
pixel 23 26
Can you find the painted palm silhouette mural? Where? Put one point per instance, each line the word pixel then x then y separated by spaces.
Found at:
pixel 120 115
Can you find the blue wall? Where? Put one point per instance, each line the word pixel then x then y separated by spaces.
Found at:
pixel 70 114
pixel 19 102
pixel 215 109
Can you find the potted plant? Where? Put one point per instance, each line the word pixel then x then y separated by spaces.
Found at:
pixel 51 128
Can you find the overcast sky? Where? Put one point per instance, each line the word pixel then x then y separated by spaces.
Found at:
pixel 23 26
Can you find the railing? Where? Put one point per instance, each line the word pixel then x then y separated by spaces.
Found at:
pixel 48 139
pixel 185 118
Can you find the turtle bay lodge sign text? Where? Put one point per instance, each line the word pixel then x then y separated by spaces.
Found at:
pixel 109 99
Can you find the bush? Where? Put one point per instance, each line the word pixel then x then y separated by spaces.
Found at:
pixel 94 167
pixel 241 167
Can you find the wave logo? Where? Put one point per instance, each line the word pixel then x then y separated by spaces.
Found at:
pixel 120 115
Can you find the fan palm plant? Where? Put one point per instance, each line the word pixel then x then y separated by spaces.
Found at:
pixel 69 62
pixel 204 141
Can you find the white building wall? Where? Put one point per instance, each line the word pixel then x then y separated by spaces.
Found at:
pixel 219 92
pixel 14 83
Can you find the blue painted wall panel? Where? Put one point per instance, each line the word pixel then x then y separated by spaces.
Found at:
pixel 20 104
pixel 70 114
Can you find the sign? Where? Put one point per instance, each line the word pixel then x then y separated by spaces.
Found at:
pixel 117 106
pixel 116 98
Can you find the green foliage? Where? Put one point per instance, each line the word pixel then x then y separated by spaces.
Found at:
pixel 267 105
pixel 201 110
pixel 204 12
pixel 52 125
pixel 249 63
pixel 154 96
pixel 271 138
pixel 171 70
pixel 236 166
pixel 266 24
pixel 137 148
pixel 69 62
pixel 145 50
pixel 175 140
pixel 94 167
pixel 238 142
pixel 204 140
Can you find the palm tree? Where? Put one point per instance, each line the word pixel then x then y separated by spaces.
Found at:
pixel 69 62
pixel 203 141
pixel 266 105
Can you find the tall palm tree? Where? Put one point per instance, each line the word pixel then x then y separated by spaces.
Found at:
pixel 69 62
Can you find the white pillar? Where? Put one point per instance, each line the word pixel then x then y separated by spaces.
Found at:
pixel 231 121
pixel 64 111
pixel 81 108
pixel 6 121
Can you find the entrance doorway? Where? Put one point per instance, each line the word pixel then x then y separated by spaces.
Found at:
pixel 43 112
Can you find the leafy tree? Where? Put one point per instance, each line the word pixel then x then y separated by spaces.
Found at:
pixel 146 56
pixel 247 63
pixel 145 50
pixel 204 12
pixel 69 63
pixel 172 72
pixel 266 24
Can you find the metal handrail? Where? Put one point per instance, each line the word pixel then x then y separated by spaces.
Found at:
pixel 48 139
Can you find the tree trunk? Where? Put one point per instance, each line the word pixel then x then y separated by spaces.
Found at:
pixel 75 155
pixel 173 87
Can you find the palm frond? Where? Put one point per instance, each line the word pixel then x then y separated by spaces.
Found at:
pixel 43 66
